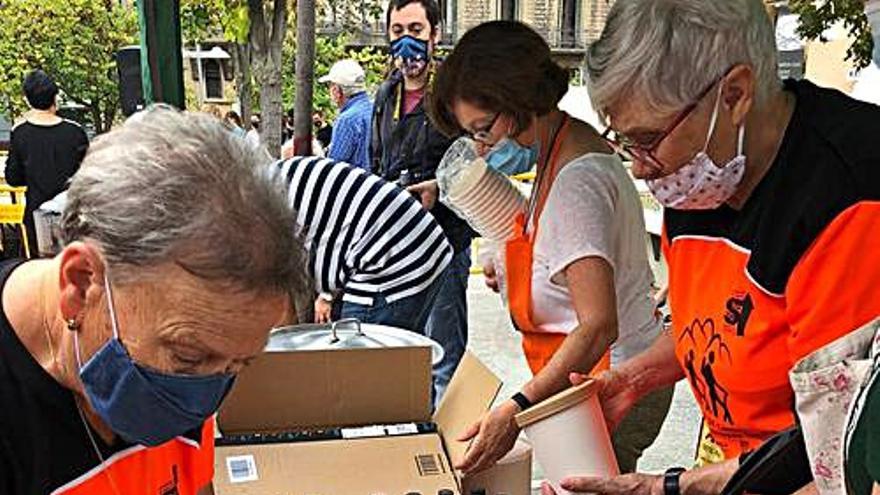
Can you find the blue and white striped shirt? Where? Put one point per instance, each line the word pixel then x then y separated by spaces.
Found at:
pixel 365 236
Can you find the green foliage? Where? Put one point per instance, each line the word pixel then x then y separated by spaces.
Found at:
pixel 201 20
pixel 816 17
pixel 328 50
pixel 74 41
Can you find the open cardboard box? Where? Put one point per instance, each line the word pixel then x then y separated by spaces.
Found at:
pixel 352 391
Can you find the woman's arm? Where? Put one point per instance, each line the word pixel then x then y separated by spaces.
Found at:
pixel 591 284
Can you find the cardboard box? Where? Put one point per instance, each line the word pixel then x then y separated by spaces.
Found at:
pixel 354 390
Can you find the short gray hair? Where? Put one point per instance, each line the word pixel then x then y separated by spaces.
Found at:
pixel 353 89
pixel 177 187
pixel 667 51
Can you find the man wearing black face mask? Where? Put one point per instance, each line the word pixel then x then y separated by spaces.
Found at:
pixel 406 148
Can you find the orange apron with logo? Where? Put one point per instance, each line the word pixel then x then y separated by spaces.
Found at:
pixel 538 346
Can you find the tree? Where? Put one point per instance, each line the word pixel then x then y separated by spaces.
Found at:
pixel 266 34
pixel 73 40
pixel 816 17
pixel 305 76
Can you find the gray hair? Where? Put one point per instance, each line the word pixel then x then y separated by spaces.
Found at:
pixel 667 51
pixel 177 187
pixel 349 90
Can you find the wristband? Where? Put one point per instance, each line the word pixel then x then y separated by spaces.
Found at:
pixel 671 479
pixel 522 401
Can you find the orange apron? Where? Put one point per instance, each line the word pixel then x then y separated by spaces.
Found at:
pixel 538 346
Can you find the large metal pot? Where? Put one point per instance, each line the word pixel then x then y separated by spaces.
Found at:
pixel 347 334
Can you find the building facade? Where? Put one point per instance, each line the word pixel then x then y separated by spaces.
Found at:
pixel 568 25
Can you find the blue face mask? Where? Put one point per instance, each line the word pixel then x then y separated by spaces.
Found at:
pixel 511 158
pixel 412 52
pixel 141 405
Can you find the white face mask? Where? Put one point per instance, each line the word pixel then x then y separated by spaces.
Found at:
pixel 701 184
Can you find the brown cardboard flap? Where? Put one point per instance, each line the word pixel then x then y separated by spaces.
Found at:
pixel 313 389
pixel 469 395
pixel 392 466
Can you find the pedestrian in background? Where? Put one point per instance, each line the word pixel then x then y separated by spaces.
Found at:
pixel 406 148
pixel 350 141
pixel 233 123
pixel 45 150
pixel 253 135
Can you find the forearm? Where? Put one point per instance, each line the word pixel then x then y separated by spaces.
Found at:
pixel 653 369
pixel 580 352
pixel 708 480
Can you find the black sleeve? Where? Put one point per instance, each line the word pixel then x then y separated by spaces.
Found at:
pixel 82 146
pixel 15 175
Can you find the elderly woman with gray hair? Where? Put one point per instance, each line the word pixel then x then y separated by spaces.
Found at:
pixel 772 196
pixel 115 354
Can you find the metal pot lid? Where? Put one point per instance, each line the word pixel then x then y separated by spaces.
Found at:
pixel 348 334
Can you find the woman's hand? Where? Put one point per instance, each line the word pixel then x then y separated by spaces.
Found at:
pixel 491 276
pixel 493 437
pixel 427 192
pixel 616 394
pixel 323 310
pixel 636 483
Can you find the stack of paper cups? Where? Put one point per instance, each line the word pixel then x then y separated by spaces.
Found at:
pixel 489 200
pixel 569 436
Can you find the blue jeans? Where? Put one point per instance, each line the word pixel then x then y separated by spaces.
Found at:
pixel 448 321
pixel 409 313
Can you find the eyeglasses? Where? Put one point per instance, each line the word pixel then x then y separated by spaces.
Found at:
pixel 630 150
pixel 485 135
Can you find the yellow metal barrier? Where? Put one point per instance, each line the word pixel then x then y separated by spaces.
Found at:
pixel 12 205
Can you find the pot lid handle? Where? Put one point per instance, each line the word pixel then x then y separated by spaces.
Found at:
pixel 347 321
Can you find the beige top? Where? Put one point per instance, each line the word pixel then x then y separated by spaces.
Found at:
pixel 557 403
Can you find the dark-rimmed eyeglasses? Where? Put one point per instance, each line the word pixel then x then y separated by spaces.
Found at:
pixel 485 134
pixel 629 150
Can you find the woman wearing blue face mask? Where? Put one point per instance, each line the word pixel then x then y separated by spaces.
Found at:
pixel 578 280
pixel 115 354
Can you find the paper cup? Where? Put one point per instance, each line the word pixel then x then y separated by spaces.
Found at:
pixel 569 436
pixel 470 178
pixel 488 200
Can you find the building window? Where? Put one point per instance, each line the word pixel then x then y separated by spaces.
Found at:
pixel 508 10
pixel 568 38
pixel 213 79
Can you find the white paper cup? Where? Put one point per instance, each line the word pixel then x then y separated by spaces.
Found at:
pixel 569 436
pixel 488 199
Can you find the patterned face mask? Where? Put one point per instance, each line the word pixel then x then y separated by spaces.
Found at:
pixel 411 53
pixel 701 184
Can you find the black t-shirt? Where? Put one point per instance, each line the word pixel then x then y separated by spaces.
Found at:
pixel 44 158
pixel 43 441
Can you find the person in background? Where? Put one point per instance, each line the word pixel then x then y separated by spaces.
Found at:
pixel 371 244
pixel 350 141
pixel 116 353
pixel 287 126
pixel 323 131
pixel 45 150
pixel 772 202
pixel 233 122
pixel 578 280
pixel 253 136
pixel 406 148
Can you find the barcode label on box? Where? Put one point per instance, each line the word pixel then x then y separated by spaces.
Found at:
pixel 429 465
pixel 242 468
pixel 402 429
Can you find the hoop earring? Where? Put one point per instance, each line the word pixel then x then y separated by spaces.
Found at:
pixel 72 324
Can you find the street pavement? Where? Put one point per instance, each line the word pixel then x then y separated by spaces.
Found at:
pixel 493 339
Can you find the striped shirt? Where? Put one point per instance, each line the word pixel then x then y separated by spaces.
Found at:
pixel 365 236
